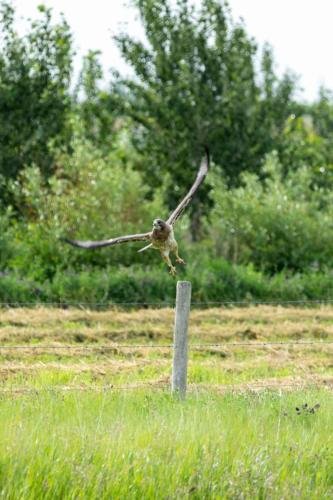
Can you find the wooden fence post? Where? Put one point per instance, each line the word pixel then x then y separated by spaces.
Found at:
pixel 179 368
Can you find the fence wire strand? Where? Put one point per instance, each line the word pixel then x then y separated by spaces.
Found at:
pixel 153 385
pixel 164 346
pixel 166 303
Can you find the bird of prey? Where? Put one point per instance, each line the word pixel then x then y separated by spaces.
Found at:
pixel 161 237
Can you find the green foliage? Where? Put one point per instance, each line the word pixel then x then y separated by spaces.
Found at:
pixel 212 280
pixel 321 111
pixel 282 222
pixel 300 146
pixel 35 74
pixel 6 235
pixel 14 288
pixel 275 105
pixel 195 84
pixel 100 162
pixel 91 196
pixel 94 105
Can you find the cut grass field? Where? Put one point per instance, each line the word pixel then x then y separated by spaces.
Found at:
pixel 84 347
pixel 97 420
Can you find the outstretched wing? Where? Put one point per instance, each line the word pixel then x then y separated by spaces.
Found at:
pixel 185 201
pixel 108 243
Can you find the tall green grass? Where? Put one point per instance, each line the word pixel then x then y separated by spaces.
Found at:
pixel 147 445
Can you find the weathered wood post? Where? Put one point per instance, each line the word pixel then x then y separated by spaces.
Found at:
pixel 179 367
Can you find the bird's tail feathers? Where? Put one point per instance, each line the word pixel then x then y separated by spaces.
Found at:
pixel 144 248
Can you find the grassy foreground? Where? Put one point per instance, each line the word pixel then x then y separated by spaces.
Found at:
pixel 143 445
pixel 97 420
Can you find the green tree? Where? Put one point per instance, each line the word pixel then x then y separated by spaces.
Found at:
pixel 35 71
pixel 300 146
pixel 319 119
pixel 94 105
pixel 276 104
pixel 195 84
pixel 322 112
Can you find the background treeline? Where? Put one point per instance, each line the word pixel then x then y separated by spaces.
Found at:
pixel 98 157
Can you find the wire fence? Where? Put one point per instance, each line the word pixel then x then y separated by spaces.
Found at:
pixel 259 385
pixel 163 346
pixel 64 304
pixel 115 348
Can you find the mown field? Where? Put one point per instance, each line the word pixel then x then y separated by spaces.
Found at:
pixel 80 348
pixel 86 409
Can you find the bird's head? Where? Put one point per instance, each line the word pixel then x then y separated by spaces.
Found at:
pixel 159 224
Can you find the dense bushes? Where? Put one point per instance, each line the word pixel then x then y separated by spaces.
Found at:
pixel 280 224
pixel 282 221
pixel 6 236
pixel 91 196
pixel 215 281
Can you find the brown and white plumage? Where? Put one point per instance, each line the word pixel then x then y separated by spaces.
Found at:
pixel 110 242
pixel 203 170
pixel 162 236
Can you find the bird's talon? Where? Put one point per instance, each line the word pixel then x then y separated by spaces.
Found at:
pixel 180 261
pixel 173 271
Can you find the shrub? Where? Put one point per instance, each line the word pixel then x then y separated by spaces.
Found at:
pixel 92 196
pixel 6 236
pixel 137 285
pixel 280 222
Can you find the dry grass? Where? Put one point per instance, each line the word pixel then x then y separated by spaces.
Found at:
pixel 265 322
pixel 226 365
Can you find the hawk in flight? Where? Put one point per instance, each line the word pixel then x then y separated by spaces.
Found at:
pixel 161 237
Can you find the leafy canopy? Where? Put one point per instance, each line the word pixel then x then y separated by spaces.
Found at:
pixel 35 72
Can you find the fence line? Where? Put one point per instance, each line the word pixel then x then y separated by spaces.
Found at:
pixel 167 303
pixel 85 304
pixel 267 302
pixel 163 346
pixel 88 348
pixel 261 344
pixel 179 345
